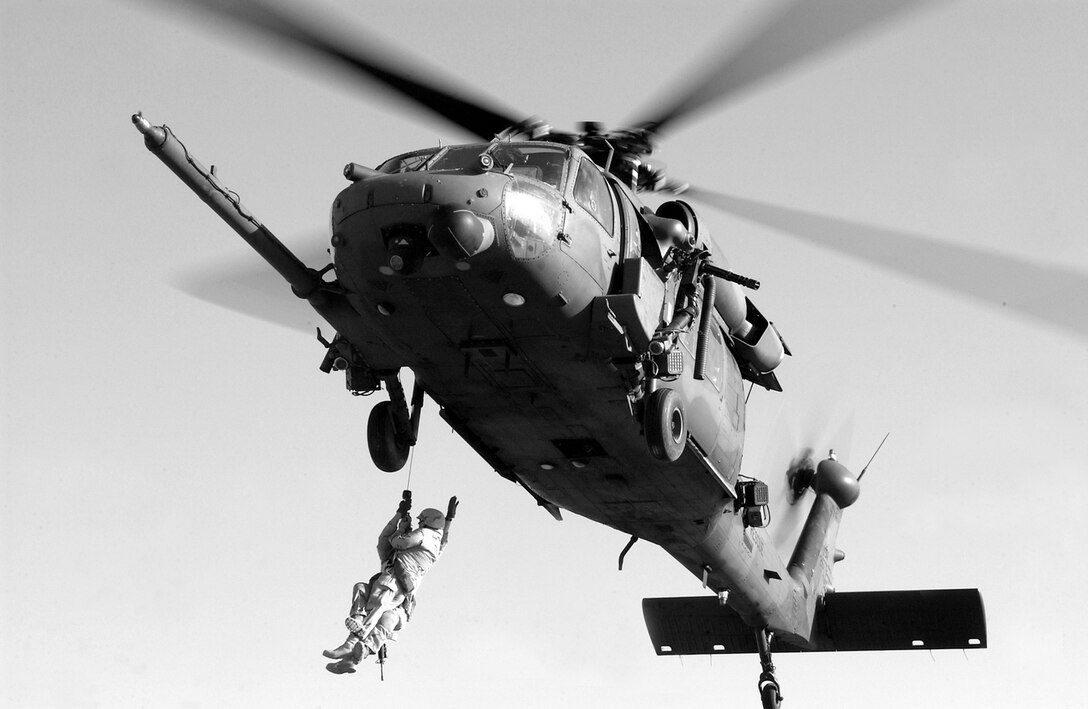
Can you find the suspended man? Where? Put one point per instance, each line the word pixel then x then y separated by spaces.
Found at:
pixel 383 605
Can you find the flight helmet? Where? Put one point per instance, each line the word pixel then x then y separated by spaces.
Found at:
pixel 432 519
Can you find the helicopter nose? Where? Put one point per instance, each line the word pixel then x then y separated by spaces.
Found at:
pixel 459 233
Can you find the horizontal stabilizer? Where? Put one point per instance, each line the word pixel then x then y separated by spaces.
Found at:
pixel 872 620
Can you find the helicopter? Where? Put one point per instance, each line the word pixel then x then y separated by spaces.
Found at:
pixel 591 350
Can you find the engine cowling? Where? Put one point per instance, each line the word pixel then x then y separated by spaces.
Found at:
pixel 759 344
pixel 682 213
pixel 675 223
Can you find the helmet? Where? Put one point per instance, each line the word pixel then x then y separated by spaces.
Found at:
pixel 432 518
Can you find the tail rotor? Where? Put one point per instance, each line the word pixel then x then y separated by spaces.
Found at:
pixel 790 478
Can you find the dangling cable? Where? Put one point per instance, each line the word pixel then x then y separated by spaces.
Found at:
pixel 411 460
pixel 406 496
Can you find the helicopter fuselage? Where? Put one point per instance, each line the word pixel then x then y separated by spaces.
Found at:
pixel 523 302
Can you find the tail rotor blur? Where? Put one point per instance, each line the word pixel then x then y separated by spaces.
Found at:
pixel 801 441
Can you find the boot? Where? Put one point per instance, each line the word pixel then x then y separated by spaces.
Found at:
pixel 344 650
pixel 343 667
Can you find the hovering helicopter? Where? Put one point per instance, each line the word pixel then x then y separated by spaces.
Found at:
pixel 590 349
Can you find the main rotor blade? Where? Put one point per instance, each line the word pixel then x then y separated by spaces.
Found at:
pixel 1047 293
pixel 798 31
pixel 247 285
pixel 385 66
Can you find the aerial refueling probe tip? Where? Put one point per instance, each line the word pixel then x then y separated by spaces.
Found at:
pixel 153 135
pixel 142 124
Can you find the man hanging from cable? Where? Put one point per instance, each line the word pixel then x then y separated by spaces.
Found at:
pixel 381 607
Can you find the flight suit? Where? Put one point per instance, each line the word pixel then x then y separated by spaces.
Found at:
pixel 406 556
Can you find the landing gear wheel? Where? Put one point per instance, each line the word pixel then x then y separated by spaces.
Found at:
pixel 665 425
pixel 388 450
pixel 770 694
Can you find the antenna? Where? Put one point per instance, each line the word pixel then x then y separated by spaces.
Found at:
pixel 874 455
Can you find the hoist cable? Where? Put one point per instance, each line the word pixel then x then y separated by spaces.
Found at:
pixel 411 460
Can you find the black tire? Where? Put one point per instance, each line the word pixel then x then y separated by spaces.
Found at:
pixel 770 696
pixel 388 450
pixel 665 425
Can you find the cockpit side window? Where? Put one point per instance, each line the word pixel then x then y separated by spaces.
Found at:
pixel 592 194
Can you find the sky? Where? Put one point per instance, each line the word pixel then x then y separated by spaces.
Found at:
pixel 186 500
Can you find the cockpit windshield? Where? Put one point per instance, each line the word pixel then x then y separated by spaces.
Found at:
pixel 534 160
pixel 540 162
pixel 409 162
pixel 458 158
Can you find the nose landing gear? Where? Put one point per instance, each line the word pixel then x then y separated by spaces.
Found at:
pixel 769 691
pixel 391 429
